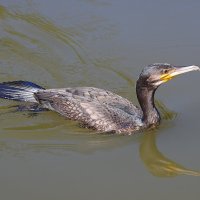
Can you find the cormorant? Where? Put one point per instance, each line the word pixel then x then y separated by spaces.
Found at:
pixel 100 109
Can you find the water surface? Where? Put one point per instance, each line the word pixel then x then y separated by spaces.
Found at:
pixel 103 44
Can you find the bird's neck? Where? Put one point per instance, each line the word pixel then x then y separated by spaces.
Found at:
pixel 145 97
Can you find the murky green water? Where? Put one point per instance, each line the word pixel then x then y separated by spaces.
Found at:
pixel 103 44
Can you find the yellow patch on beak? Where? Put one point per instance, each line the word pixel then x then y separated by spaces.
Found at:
pixel 166 77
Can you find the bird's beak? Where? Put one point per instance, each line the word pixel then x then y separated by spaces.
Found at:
pixel 178 70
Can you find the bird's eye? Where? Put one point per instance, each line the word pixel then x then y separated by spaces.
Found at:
pixel 165 71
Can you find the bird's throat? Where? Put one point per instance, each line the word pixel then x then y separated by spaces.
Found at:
pixel 145 97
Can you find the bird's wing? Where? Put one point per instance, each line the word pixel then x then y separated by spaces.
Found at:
pixel 99 95
pixel 88 111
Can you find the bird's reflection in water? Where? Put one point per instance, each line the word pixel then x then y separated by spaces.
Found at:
pixel 156 163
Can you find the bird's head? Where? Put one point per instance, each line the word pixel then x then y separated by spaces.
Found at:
pixel 154 75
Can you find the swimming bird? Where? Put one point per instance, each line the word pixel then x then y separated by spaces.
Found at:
pixel 100 109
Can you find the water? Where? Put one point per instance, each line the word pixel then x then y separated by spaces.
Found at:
pixel 103 44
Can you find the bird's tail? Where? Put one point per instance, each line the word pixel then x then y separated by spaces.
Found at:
pixel 19 90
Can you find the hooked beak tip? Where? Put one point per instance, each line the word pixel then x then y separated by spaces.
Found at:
pixel 194 67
